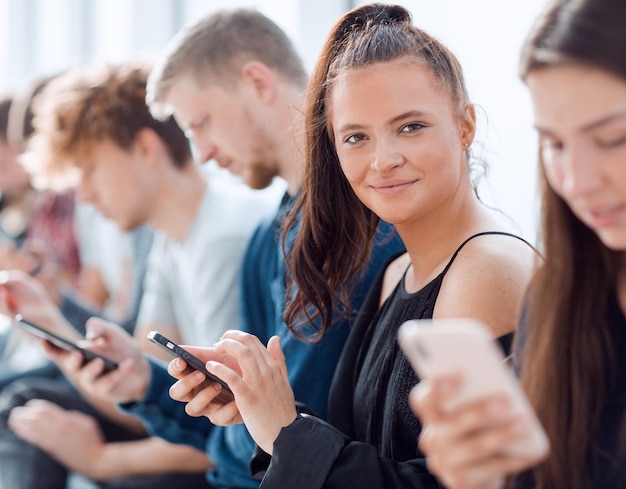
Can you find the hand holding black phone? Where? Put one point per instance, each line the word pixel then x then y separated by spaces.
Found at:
pixel 63 343
pixel 225 395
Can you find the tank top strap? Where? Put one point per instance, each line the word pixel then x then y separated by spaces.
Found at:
pixel 501 233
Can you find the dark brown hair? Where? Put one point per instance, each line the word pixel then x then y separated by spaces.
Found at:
pixel 336 229
pixel 564 362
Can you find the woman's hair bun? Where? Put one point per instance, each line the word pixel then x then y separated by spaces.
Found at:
pixel 372 14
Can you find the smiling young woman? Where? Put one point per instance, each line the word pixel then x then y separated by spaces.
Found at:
pixel 388 124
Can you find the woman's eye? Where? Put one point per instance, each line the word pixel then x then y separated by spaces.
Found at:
pixel 412 127
pixel 614 142
pixel 354 138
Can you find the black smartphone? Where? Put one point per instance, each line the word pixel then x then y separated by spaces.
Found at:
pixel 61 342
pixel 225 394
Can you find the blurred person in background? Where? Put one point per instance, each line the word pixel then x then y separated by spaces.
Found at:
pixel 37 233
pixel 235 84
pixel 94 130
pixel 51 237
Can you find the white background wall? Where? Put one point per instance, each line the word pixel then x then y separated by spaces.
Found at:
pixel 44 36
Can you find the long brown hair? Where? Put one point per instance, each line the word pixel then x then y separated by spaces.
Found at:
pixel 567 354
pixel 335 229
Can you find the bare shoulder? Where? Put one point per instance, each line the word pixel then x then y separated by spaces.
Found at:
pixel 487 281
pixel 393 274
pixel 497 253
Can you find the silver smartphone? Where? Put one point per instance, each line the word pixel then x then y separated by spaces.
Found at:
pixel 466 347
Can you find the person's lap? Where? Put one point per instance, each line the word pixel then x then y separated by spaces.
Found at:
pixel 23 466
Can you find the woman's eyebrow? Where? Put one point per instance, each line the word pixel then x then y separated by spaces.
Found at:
pixel 405 115
pixel 604 120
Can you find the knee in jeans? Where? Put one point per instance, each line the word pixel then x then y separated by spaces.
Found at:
pixel 16 394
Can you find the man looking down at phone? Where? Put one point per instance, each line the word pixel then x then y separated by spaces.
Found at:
pixel 93 124
pixel 235 83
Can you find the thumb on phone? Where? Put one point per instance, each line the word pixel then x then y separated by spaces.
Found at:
pixel 108 339
pixel 96 328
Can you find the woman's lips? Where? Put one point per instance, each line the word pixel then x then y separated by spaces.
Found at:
pixel 393 186
pixel 602 217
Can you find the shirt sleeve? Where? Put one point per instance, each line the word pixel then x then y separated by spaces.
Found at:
pixel 166 418
pixel 330 460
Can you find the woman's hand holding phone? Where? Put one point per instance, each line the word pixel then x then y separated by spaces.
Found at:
pixel 263 394
pixel 464 447
pixel 478 427
pixel 202 395
pixel 257 376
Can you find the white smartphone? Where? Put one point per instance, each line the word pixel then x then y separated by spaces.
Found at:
pixel 466 347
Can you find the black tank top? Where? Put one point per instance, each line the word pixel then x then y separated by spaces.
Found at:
pixel 381 415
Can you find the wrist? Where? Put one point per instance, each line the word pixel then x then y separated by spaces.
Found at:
pixel 146 378
pixel 96 468
pixel 269 447
pixel 141 389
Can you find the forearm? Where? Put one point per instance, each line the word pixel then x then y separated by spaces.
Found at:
pixel 112 413
pixel 149 456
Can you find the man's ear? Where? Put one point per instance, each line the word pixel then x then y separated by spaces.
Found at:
pixel 468 125
pixel 259 76
pixel 147 145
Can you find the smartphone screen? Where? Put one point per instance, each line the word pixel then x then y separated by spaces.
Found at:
pixel 224 396
pixel 61 342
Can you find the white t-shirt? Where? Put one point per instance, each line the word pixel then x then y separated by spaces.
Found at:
pixel 104 246
pixel 194 284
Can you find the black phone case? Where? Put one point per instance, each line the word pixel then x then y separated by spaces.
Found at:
pixel 157 338
pixel 61 342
